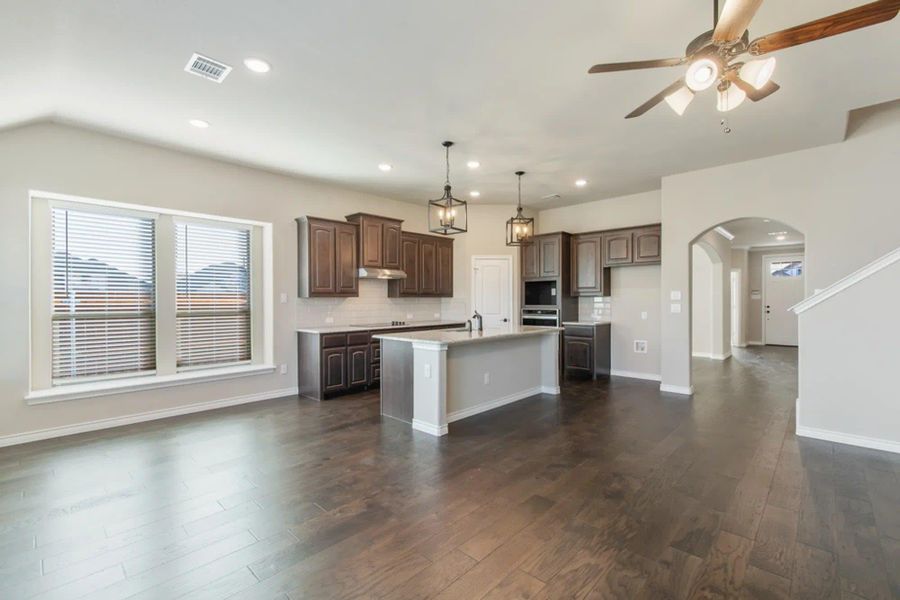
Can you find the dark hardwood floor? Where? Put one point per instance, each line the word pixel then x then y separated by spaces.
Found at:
pixel 612 491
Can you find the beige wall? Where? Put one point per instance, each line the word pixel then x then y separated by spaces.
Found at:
pixel 712 274
pixel 701 302
pixel 842 197
pixel 739 258
pixel 75 161
pixel 635 290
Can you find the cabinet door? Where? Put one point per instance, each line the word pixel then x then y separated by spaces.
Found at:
pixel 445 268
pixel 391 251
pixel 321 258
pixel 648 245
pixel 346 254
pixel 529 259
pixel 578 354
pixel 617 248
pixel 550 255
pixel 334 369
pixel 371 233
pixel 587 265
pixel 358 365
pixel 427 267
pixel 409 262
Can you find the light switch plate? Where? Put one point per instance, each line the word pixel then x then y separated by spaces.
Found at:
pixel 644 315
pixel 675 295
pixel 675 308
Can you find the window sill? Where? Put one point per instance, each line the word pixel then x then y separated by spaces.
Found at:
pixel 134 384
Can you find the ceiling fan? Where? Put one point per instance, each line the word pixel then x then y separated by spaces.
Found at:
pixel 712 56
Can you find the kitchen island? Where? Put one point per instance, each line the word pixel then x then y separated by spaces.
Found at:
pixel 432 378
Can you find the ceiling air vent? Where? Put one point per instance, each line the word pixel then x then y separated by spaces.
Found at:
pixel 207 68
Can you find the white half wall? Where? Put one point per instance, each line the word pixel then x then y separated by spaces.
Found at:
pixel 848 383
pixel 842 197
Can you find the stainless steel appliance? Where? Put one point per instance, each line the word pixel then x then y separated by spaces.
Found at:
pixel 542 317
pixel 541 293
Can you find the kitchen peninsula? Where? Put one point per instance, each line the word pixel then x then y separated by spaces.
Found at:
pixel 432 378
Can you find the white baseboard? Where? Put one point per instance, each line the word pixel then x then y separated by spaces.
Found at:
pixel 754 343
pixel 553 390
pixel 677 389
pixel 429 428
pixel 635 375
pixel 851 439
pixel 153 415
pixel 474 410
pixel 711 356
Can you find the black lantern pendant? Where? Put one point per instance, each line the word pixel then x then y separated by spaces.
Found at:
pixel 447 215
pixel 519 229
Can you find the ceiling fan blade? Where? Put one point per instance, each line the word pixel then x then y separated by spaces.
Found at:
pixel 656 99
pixel 734 20
pixel 638 64
pixel 754 94
pixel 842 22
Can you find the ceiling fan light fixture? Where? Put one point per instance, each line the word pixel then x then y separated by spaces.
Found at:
pixel 758 72
pixel 701 74
pixel 729 97
pixel 679 100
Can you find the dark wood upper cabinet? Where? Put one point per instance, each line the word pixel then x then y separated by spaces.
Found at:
pixel 326 261
pixel 379 241
pixel 445 268
pixel 647 245
pixel 428 267
pixel 550 255
pixel 589 277
pixel 529 258
pixel 428 263
pixel 617 248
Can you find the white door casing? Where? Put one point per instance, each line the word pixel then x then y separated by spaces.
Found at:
pixel 783 286
pixel 492 290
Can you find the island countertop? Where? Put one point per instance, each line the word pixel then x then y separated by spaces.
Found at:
pixel 444 338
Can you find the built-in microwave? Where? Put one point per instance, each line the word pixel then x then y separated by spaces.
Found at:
pixel 540 293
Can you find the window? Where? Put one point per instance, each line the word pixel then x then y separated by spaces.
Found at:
pixel 792 268
pixel 104 297
pixel 213 283
pixel 125 297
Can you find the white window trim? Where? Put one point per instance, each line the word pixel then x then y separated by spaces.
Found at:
pixel 262 364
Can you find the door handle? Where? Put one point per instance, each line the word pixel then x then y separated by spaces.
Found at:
pixel 505 320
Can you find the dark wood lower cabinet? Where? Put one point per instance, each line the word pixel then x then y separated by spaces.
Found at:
pixel 586 349
pixel 331 364
pixel 579 354
pixel 358 365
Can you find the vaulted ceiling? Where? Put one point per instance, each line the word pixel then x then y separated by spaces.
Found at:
pixel 354 84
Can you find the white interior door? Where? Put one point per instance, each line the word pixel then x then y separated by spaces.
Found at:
pixel 783 287
pixel 491 291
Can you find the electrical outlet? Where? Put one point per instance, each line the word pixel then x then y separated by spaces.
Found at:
pixel 283 298
pixel 329 320
pixel 409 316
pixel 437 315
pixel 487 378
pixel 284 369
pixel 640 346
pixel 644 315
pixel 427 371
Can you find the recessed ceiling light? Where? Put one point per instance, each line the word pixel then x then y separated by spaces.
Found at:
pixel 385 167
pixel 780 238
pixel 581 182
pixel 257 65
pixel 473 164
pixel 767 220
pixel 474 193
pixel 199 123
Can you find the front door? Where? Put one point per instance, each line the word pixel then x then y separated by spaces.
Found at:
pixel 491 291
pixel 783 288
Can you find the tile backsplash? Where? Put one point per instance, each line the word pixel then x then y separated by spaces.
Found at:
pixel 373 306
pixel 594 309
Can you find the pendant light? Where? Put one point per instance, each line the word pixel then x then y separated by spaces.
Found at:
pixel 519 229
pixel 447 215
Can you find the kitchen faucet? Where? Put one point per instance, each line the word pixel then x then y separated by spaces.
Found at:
pixel 479 320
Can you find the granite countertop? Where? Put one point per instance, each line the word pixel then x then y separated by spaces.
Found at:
pixel 352 328
pixel 588 323
pixel 444 338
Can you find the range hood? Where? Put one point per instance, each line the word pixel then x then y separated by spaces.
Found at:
pixel 381 274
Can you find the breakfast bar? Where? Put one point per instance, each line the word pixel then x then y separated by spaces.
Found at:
pixel 432 378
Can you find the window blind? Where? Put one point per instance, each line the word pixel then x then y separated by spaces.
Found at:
pixel 213 286
pixel 104 296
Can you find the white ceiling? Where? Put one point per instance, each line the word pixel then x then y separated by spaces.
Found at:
pixel 358 83
pixel 756 232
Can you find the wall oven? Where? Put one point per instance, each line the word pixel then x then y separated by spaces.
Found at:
pixel 540 293
pixel 542 317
